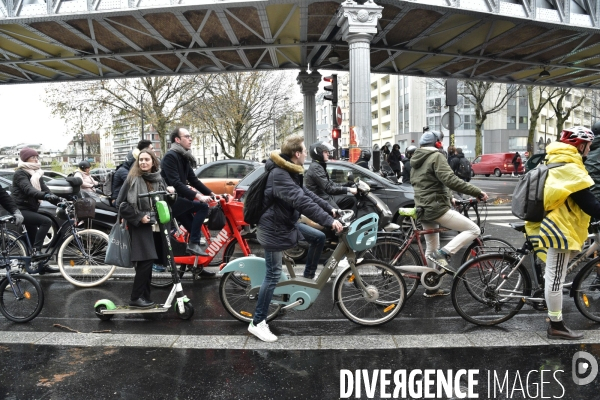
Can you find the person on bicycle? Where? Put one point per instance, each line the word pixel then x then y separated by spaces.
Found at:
pixel 408 153
pixel 592 165
pixel 89 183
pixel 178 171
pixel 28 191
pixel 123 169
pixel 569 203
pixel 432 177
pixel 278 228
pixel 146 242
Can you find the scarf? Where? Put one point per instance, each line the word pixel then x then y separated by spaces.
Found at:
pixel 177 148
pixel 33 169
pixel 138 186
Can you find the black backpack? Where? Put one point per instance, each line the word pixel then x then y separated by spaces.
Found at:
pixel 464 169
pixel 254 206
pixel 528 197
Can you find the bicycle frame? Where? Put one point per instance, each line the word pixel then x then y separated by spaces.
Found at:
pixel 6 261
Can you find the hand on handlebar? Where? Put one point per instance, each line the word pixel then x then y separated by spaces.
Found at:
pixel 202 198
pixel 483 196
pixel 353 190
pixel 337 226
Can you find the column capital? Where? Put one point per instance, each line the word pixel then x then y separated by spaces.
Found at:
pixel 359 19
pixel 309 83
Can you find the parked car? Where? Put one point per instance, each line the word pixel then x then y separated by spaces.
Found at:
pixel 46 208
pixel 494 163
pixel 395 195
pixel 55 175
pixel 221 176
pixel 533 161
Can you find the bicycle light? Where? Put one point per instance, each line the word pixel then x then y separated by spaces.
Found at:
pixel 586 301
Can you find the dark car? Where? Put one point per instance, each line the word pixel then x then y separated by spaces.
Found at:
pixel 533 161
pixel 221 176
pixel 395 195
pixel 46 208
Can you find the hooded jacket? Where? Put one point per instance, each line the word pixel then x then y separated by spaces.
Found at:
pixel 592 165
pixel 431 176
pixel 566 224
pixel 317 181
pixel 287 199
pixel 121 175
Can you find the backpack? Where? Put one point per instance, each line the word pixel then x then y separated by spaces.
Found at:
pixel 253 202
pixel 464 169
pixel 107 184
pixel 528 196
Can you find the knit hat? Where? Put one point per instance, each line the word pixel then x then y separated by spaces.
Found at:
pixel 429 138
pixel 27 152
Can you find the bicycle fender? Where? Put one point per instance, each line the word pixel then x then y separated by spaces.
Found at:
pixel 335 282
pixel 105 302
pixel 254 267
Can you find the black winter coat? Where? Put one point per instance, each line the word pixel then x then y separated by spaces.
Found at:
pixel 7 202
pixel 145 244
pixel 317 181
pixel 25 195
pixel 120 176
pixel 177 172
pixel 287 199
pixel 406 171
pixel 394 159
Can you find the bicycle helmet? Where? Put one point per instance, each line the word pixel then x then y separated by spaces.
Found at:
pixel 316 151
pixel 576 136
pixel 84 164
pixel 410 150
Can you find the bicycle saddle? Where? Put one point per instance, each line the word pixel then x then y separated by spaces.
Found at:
pixel 518 226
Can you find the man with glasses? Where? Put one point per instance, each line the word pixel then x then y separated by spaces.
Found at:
pixel 177 169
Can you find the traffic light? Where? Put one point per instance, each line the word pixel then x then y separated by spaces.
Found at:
pixel 336 133
pixel 333 97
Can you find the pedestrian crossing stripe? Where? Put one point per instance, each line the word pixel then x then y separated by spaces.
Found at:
pixel 500 215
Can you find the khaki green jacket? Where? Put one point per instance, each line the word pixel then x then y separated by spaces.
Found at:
pixel 431 176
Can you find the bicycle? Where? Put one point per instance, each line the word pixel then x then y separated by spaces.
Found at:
pixel 412 264
pixel 367 292
pixel 232 237
pixel 21 296
pixel 492 288
pixel 80 252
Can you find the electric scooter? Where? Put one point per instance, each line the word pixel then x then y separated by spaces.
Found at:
pixel 105 309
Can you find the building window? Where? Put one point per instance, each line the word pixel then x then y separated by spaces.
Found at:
pixel 517 143
pixel 511 122
pixel 433 123
pixel 434 106
pixel 522 122
pixel 468 122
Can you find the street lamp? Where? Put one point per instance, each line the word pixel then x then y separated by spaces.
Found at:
pixel 546 133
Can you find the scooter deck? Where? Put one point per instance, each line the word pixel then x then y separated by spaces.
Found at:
pixel 135 310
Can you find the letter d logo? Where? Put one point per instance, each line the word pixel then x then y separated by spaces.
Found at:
pixel 588 367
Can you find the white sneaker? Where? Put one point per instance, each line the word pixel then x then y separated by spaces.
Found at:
pixel 262 331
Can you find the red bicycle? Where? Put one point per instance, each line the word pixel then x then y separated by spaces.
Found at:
pixel 235 237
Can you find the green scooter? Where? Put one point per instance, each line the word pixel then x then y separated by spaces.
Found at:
pixel 105 309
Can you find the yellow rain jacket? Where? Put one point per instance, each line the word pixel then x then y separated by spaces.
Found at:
pixel 566 225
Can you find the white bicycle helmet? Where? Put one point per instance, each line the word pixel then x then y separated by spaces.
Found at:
pixel 576 135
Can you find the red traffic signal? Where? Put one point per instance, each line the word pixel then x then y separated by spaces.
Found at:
pixel 336 133
pixel 333 97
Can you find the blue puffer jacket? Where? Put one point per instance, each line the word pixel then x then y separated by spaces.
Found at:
pixel 288 199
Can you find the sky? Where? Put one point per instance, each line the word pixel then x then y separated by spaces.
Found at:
pixel 25 118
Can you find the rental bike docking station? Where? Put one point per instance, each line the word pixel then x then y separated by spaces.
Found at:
pixel 105 309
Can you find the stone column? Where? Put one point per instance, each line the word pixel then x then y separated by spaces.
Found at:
pixel 358 24
pixel 309 84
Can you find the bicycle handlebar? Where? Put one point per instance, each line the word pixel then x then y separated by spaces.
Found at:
pixel 153 193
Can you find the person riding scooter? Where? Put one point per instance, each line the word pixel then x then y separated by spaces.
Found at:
pixel 365 157
pixel 317 180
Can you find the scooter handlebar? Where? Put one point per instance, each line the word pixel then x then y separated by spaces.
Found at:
pixel 153 193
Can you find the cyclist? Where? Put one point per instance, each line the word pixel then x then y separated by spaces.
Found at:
pixel 431 177
pixel 84 173
pixel 278 229
pixel 178 171
pixel 569 203
pixel 28 191
pixel 592 165
pixel 410 150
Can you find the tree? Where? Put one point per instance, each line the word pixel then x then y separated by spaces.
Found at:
pixel 475 92
pixel 536 94
pixel 563 113
pixel 243 110
pixel 93 104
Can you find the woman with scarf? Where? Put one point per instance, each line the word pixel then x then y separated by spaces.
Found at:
pixel 84 173
pixel 28 191
pixel 146 243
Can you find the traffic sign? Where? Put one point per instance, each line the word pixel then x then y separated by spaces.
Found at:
pixel 338 115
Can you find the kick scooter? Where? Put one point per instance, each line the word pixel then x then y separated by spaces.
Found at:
pixel 105 309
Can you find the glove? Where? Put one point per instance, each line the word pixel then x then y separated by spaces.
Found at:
pixel 51 198
pixel 19 218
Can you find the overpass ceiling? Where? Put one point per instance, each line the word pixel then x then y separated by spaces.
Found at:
pixel 494 40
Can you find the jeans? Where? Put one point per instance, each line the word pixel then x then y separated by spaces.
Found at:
pixel 193 224
pixel 37 226
pixel 265 294
pixel 316 239
pixel 454 220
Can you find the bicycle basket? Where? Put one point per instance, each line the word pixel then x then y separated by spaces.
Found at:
pixel 362 233
pixel 85 208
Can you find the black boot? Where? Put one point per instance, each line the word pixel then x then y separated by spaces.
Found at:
pixel 558 330
pixel 196 249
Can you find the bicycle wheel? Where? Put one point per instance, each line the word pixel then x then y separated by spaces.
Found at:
pixel 387 249
pixel 234 251
pixel 237 301
pixel 15 245
pixel 384 297
pixel 490 245
pixel 165 278
pixel 587 290
pixel 488 290
pixel 81 258
pixel 27 303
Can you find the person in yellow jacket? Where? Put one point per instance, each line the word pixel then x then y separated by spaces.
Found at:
pixel 569 203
